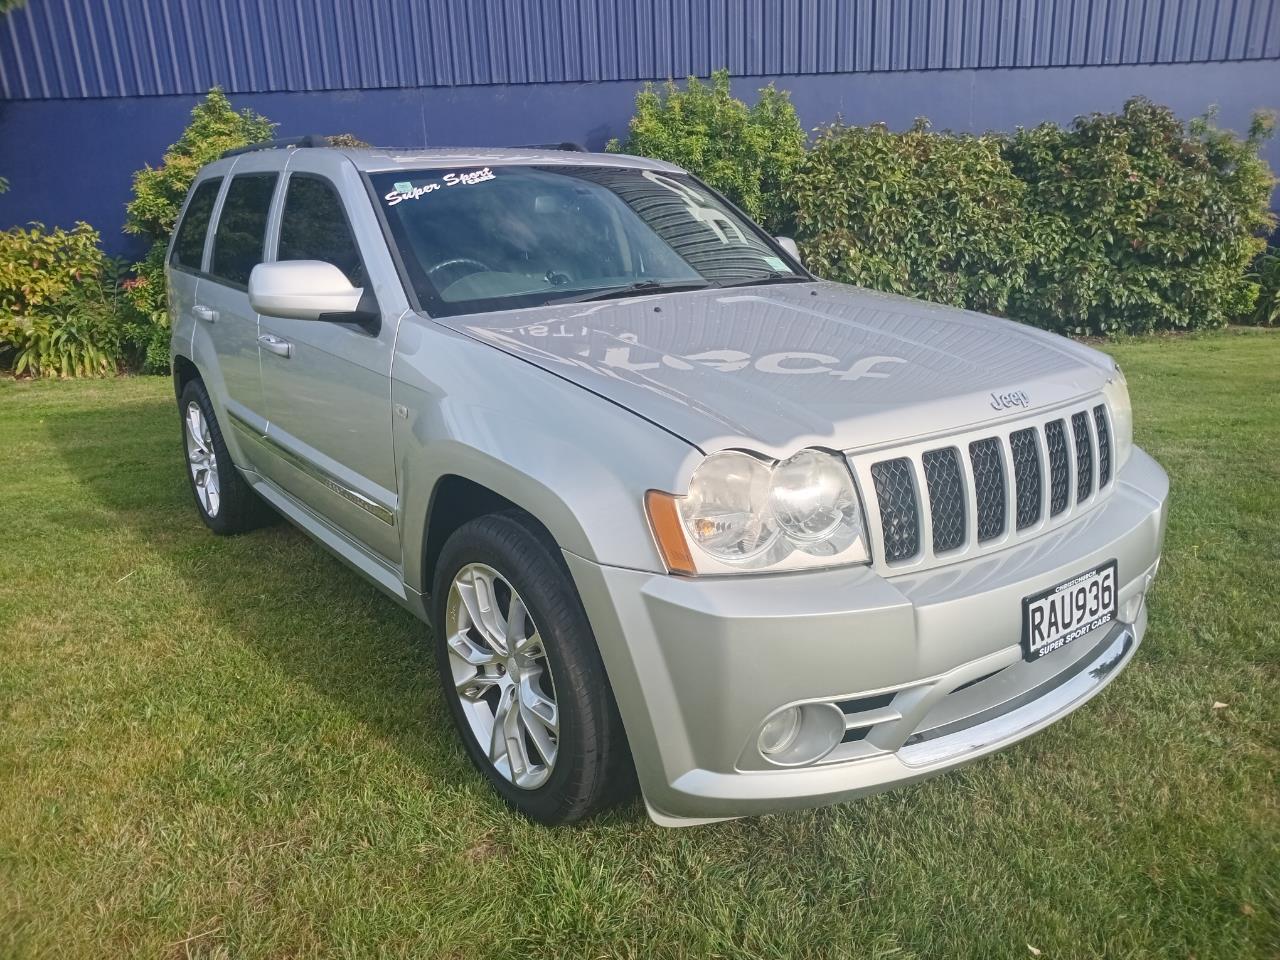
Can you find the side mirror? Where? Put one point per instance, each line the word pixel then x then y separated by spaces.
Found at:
pixel 789 245
pixel 302 290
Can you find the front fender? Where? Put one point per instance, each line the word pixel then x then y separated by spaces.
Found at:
pixel 578 463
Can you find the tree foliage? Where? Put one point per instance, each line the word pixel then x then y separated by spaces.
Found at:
pixel 747 153
pixel 1142 221
pixel 1266 275
pixel 930 215
pixel 1131 221
pixel 158 194
pixel 59 312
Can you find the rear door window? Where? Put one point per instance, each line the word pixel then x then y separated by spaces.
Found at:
pixel 188 246
pixel 314 227
pixel 242 227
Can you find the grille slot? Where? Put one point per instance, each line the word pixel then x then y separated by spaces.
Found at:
pixel 946 497
pixel 988 486
pixel 863 704
pixel 1104 445
pixel 899 517
pixel 1026 476
pixel 1055 436
pixel 1084 456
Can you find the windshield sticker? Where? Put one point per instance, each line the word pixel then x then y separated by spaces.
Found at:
pixel 405 190
pixel 776 263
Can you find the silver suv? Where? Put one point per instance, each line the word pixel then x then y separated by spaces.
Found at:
pixel 677 511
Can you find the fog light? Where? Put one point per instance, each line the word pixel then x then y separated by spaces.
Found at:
pixel 796 736
pixel 779 731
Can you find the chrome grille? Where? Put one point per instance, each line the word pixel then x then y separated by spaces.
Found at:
pixel 946 497
pixel 988 487
pixel 899 520
pixel 1055 435
pixel 1084 455
pixel 1026 476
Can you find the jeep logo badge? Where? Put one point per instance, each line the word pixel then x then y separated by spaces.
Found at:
pixel 1015 398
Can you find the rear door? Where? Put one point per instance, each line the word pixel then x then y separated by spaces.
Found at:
pixel 186 259
pixel 327 384
pixel 236 247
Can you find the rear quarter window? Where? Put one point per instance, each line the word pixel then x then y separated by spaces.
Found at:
pixel 242 227
pixel 188 245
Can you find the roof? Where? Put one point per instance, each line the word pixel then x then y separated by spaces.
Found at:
pixel 380 158
pixel 376 159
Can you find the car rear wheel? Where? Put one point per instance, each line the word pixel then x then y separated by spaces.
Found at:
pixel 522 675
pixel 226 503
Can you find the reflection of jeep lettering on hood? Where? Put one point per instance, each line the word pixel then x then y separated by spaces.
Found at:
pixel 786 366
pixel 786 362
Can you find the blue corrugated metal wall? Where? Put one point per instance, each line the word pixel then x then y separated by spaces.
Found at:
pixel 68 49
pixel 122 75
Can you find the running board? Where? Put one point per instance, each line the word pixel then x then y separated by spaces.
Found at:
pixel 384 576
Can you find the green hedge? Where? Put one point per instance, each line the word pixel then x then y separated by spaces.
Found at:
pixel 59 303
pixel 1126 222
pixel 930 215
pixel 1120 222
pixel 1143 222
pixel 1266 274
pixel 747 153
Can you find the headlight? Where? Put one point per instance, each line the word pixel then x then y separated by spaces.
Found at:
pixel 1117 393
pixel 727 512
pixel 744 513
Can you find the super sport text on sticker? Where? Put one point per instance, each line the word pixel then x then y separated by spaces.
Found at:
pixel 407 191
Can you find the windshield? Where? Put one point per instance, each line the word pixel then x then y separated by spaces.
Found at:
pixel 496 238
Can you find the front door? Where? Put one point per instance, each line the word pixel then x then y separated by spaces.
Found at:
pixel 327 385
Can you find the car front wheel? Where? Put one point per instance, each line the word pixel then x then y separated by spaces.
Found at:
pixel 522 674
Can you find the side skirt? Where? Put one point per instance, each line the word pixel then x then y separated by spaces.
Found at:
pixel 385 577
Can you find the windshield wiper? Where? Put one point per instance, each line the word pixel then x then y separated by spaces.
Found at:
pixel 633 289
pixel 772 276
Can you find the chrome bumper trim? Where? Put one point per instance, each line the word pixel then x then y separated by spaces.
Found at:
pixel 1064 693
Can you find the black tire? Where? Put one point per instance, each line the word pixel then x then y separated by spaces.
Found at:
pixel 239 508
pixel 592 768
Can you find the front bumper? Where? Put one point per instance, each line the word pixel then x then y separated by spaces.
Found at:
pixel 926 667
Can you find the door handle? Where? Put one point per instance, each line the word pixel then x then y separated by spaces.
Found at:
pixel 207 314
pixel 277 345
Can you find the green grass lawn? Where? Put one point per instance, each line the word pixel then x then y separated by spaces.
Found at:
pixel 235 748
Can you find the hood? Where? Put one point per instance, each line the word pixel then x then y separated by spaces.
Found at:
pixel 779 367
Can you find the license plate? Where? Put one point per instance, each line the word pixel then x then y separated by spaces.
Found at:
pixel 1055 617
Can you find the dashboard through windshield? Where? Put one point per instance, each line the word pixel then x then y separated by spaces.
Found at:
pixel 478 239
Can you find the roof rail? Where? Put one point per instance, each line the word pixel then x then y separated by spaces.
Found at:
pixel 310 140
pixel 566 145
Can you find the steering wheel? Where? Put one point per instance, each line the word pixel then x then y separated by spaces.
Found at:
pixel 459 262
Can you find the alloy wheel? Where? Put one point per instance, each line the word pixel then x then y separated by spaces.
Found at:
pixel 201 459
pixel 501 676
